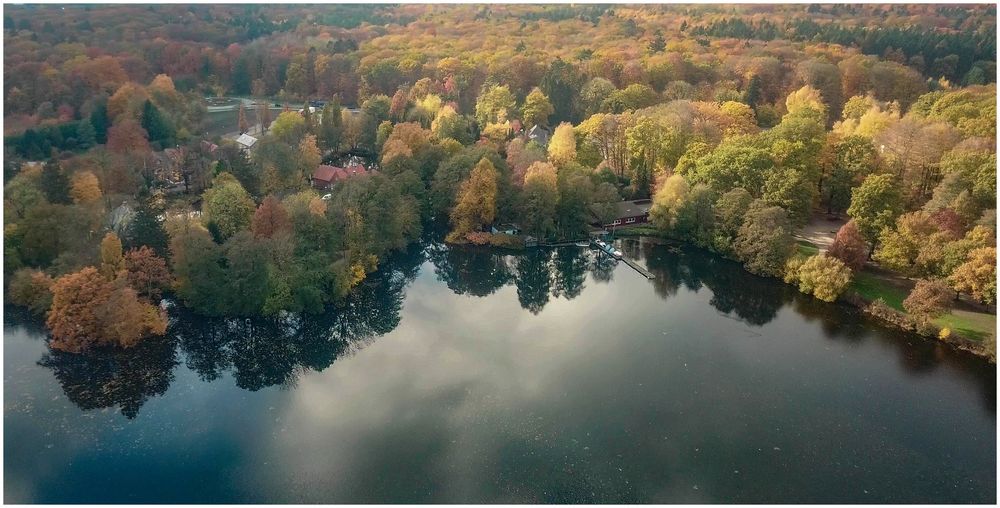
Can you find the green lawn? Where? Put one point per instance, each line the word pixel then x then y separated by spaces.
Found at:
pixel 972 325
pixel 871 287
pixel 807 248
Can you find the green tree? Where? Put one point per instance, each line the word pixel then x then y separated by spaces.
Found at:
pixel 658 44
pixel 158 128
pixel 86 135
pixel 377 106
pixel 576 194
pixel 874 206
pixel 32 289
pixel 900 247
pixel 227 206
pixel 331 125
pixel 99 119
pixel 289 127
pixel 539 199
pixel 730 210
pixel 246 275
pixel 197 265
pixel 537 109
pixel 55 183
pixel 790 189
pixel 20 195
pixel 734 164
pixel 593 94
pixel 764 241
pixel 695 218
pixel 494 105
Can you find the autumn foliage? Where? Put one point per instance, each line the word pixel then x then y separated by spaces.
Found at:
pixel 270 219
pixel 89 310
pixel 849 246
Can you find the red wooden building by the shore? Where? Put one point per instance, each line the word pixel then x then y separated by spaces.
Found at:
pixel 627 213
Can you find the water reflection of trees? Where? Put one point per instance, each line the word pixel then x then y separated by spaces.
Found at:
pixel 735 291
pixel 537 274
pixel 258 352
pixel 476 271
pixel 113 377
pixel 541 274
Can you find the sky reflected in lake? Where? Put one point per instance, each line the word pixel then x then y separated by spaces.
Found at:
pixel 466 375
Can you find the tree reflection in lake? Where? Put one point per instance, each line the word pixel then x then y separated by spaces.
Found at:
pixel 259 352
pixel 476 271
pixel 570 267
pixel 537 274
pixel 534 279
pixel 114 377
pixel 467 390
pixel 735 291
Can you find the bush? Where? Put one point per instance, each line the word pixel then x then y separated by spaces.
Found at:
pixel 32 289
pixel 824 277
pixel 478 238
pixel 507 241
pixel 928 300
pixel 880 310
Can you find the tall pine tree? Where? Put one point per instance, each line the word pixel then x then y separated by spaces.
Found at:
pixel 55 183
pixel 157 126
pixel 147 229
pixel 331 126
pixel 99 119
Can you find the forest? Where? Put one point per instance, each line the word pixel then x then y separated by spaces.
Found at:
pixel 739 123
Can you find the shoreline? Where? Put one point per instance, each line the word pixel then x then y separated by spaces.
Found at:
pixel 888 316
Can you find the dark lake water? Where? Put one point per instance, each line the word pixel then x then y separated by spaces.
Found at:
pixel 458 375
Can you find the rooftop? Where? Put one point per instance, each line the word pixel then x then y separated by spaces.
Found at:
pixel 328 173
pixel 246 140
pixel 633 208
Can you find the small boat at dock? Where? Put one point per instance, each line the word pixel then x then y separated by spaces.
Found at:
pixel 608 249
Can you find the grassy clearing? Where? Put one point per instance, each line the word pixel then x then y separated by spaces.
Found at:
pixel 807 248
pixel 972 325
pixel 872 287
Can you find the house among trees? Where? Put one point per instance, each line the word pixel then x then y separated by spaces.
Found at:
pixel 506 229
pixel 209 147
pixel 167 166
pixel 120 218
pixel 627 213
pixel 539 135
pixel 325 176
pixel 246 142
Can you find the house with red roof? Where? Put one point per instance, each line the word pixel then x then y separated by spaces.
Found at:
pixel 325 176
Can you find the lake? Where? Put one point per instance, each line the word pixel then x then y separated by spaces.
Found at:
pixel 469 375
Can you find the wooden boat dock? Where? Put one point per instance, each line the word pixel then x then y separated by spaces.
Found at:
pixel 639 268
